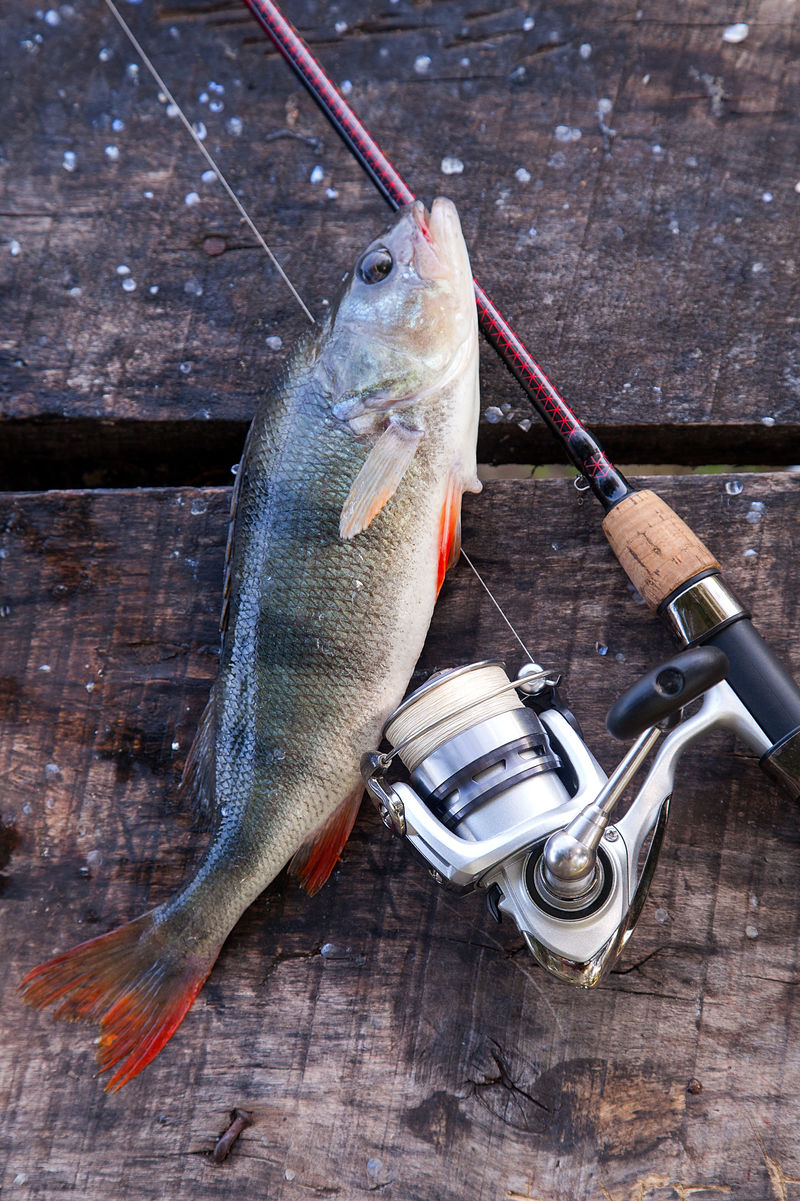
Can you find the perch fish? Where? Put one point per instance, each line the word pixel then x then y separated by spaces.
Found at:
pixel 346 515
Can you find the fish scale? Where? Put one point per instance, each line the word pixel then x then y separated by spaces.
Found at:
pixel 345 515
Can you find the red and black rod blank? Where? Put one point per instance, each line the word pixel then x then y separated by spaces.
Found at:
pixel 608 484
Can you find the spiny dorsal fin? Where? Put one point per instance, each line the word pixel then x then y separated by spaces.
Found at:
pixel 377 481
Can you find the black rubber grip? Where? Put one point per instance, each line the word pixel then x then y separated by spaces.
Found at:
pixel 666 689
pixel 759 679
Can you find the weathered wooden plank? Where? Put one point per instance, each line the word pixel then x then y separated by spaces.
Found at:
pixel 423 1054
pixel 659 289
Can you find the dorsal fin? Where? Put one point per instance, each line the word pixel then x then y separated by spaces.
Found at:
pixel 198 783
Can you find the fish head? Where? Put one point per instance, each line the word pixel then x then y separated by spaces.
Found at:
pixel 404 321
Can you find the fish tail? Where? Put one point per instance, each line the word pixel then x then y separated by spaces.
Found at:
pixel 130 981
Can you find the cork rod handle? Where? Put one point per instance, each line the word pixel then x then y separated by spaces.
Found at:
pixel 656 549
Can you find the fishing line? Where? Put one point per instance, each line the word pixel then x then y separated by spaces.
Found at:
pixel 496 603
pixel 207 156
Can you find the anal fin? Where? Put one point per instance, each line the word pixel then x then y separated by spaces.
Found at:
pixel 319 854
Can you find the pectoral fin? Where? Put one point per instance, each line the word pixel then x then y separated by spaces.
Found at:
pixel 377 481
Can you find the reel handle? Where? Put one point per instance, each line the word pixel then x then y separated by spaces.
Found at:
pixel 665 690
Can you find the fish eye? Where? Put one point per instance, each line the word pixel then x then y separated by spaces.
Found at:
pixel 374 265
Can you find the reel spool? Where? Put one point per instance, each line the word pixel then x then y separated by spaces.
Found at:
pixel 500 792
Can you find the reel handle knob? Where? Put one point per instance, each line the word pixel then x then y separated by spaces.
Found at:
pixel 665 690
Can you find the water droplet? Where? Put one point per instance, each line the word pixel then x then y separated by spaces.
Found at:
pixel 755 512
pixel 340 27
pixel 14 248
pixel 105 54
pixel 191 199
pixel 750 556
pixel 523 175
pixel 422 64
pixel 132 72
pixel 215 106
pixel 193 287
pixel 175 746
pixel 274 342
pixel 129 284
pixel 451 165
pixel 317 175
pixel 198 507
pixel 94 858
pixel 585 50
pixel 374 1167
pixel 117 125
pixel 768 421
pixel 234 126
pixel 69 162
pixel 737 32
pixel 201 131
pixel 567 133
pixel 493 414
pixel 185 367
pixel 52 17
pixel 153 289
pixel 112 153
pixel 202 98
pixel 332 950
pixel 734 487
pixel 346 87
pixel 751 932
pixel 601 648
pixel 51 770
pixel 528 24
pixel 122 269
pixel 289 1174
pixel 331 193
pixel 661 916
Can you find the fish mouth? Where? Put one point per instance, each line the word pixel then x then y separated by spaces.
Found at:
pixel 439 249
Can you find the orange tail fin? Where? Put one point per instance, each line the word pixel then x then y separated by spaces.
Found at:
pixel 131 982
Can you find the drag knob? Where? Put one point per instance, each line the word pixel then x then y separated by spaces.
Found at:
pixel 665 690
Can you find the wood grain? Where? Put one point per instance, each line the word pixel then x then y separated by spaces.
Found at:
pixel 423 1054
pixel 652 270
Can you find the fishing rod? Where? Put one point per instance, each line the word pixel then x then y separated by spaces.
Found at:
pixel 678 577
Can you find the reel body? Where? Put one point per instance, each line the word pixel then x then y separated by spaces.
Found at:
pixel 501 793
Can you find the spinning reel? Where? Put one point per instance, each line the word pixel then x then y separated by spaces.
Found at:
pixel 501 793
